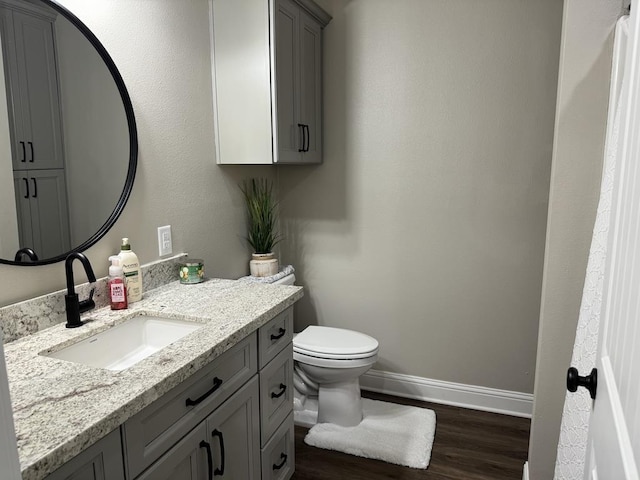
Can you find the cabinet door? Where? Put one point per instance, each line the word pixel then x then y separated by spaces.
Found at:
pixel 289 133
pixel 23 209
pixel 234 433
pixel 14 105
pixel 49 212
pixel 102 461
pixel 38 93
pixel 187 460
pixel 310 91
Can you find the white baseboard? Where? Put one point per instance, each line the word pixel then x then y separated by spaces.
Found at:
pixel 525 471
pixel 449 393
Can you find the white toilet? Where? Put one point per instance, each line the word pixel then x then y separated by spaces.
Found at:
pixel 328 365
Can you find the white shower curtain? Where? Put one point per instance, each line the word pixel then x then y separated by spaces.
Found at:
pixel 574 429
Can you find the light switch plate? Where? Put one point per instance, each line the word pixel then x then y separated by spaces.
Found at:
pixel 165 247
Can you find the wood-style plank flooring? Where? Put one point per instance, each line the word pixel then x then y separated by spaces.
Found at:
pixel 468 445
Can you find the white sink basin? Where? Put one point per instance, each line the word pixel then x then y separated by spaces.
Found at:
pixel 127 343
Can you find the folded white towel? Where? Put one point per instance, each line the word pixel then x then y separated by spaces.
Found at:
pixel 284 271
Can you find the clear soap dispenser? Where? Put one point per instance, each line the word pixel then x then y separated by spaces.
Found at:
pixel 116 285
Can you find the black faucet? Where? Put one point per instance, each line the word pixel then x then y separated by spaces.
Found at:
pixel 73 306
pixel 28 252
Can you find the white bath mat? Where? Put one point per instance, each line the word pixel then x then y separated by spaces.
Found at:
pixel 393 433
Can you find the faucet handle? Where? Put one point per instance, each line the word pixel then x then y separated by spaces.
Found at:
pixel 88 304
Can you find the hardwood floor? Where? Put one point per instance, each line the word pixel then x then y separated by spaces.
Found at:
pixel 468 445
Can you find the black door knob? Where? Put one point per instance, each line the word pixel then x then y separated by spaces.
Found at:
pixel 590 382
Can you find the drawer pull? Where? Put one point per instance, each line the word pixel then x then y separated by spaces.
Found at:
pixel 281 332
pixel 206 445
pixel 278 466
pixel 216 384
pixel 283 388
pixel 218 433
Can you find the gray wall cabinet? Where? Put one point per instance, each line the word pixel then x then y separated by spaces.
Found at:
pixel 233 420
pixel 43 214
pixel 32 89
pixel 31 76
pixel 267 58
pixel 298 74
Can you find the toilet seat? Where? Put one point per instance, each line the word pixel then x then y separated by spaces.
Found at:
pixel 335 362
pixel 336 356
pixel 334 343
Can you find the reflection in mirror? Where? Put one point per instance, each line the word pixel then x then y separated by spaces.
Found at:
pixel 67 134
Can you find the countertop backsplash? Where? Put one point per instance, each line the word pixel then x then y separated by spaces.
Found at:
pixel 30 316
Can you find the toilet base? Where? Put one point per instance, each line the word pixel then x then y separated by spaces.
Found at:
pixel 338 403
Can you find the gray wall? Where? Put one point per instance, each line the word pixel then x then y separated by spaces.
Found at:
pixel 425 225
pixel 583 94
pixel 162 51
pixel 94 122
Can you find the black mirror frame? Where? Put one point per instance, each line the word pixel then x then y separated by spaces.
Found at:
pixel 133 140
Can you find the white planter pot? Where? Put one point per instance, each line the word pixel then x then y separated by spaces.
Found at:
pixel 263 265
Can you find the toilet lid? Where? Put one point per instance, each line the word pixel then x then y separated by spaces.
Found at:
pixel 332 342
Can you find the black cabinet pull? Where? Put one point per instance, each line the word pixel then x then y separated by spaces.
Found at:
pixel 590 382
pixel 216 384
pixel 283 388
pixel 35 188
pixel 218 433
pixel 31 147
pixel 206 445
pixel 26 184
pixel 281 332
pixel 24 152
pixel 301 126
pixel 305 144
pixel 278 466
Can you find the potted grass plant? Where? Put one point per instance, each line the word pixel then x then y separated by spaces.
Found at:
pixel 262 225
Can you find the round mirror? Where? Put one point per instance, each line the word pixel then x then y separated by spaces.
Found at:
pixel 69 160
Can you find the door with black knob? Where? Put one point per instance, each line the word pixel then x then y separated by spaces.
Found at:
pixel 233 431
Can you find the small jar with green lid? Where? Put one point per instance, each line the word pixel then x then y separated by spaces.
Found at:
pixel 192 271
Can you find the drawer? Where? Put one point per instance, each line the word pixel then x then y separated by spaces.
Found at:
pixel 278 457
pixel 274 336
pixel 151 432
pixel 276 392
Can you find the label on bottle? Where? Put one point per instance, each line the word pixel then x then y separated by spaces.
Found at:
pixel 134 287
pixel 118 294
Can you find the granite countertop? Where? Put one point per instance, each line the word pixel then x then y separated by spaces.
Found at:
pixel 61 408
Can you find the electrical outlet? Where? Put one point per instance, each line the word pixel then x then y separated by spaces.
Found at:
pixel 165 246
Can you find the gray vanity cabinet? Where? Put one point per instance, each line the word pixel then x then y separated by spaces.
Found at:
pixel 226 442
pixel 101 461
pixel 234 434
pixel 232 419
pixel 156 429
pixel 267 57
pixel 41 203
pixel 276 397
pixel 28 48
